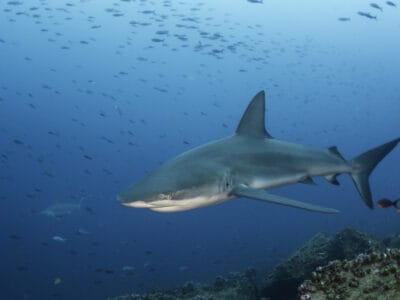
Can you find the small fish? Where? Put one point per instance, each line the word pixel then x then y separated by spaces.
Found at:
pixel 385 203
pixel 127 269
pixel 59 239
pixel 82 231
pixel 89 210
pixel 57 281
pixel 390 3
pixel 367 15
pixel 22 268
pixel 14 237
pixel 18 142
pixel 376 6
pixel 183 268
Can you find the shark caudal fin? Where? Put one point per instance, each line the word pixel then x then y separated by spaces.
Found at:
pixel 363 166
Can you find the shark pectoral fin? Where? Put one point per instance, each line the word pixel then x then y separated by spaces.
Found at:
pixel 244 191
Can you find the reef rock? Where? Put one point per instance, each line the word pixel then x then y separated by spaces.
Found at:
pixel 348 243
pixel 285 279
pixel 368 276
pixel 283 282
pixel 240 286
pixel 392 241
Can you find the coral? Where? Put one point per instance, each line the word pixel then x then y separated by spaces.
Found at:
pixel 369 276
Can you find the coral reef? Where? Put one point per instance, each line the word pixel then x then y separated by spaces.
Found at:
pixel 392 241
pixel 368 276
pixel 241 286
pixel 348 243
pixel 282 283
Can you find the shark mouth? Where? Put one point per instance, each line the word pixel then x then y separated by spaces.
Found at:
pixel 179 205
pixel 160 205
pixel 144 204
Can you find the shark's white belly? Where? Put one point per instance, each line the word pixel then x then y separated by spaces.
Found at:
pixel 267 182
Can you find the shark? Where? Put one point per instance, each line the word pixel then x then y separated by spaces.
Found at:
pixel 247 165
pixel 59 209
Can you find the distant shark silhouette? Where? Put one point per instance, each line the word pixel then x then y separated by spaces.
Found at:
pixel 244 165
pixel 60 210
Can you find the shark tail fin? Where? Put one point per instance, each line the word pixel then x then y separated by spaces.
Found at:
pixel 364 164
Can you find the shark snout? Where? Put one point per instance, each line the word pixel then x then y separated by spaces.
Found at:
pixel 128 201
pixel 151 203
pixel 121 199
pixel 139 204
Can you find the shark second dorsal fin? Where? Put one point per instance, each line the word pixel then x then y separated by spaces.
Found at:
pixel 253 120
pixel 334 150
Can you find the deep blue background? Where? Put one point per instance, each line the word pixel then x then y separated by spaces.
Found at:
pixel 78 78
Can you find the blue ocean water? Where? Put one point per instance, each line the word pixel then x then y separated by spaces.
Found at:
pixel 96 94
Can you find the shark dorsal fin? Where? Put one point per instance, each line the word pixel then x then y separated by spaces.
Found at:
pixel 253 120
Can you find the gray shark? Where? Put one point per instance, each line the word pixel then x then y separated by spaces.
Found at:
pixel 246 165
pixel 60 210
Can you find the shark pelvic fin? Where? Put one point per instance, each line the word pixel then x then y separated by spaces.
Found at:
pixel 333 179
pixel 253 120
pixel 244 191
pixel 307 180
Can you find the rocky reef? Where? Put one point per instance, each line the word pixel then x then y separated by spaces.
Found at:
pixel 240 286
pixel 355 264
pixel 368 276
pixel 282 283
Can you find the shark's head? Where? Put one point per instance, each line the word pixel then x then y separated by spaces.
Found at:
pixel 178 185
